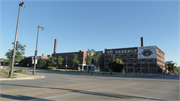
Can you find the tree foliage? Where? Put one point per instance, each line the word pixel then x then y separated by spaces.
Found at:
pixel 75 59
pixel 92 56
pixel 51 61
pixel 175 68
pixel 170 67
pixel 95 57
pixel 117 65
pixel 60 59
pixel 89 56
pixel 41 62
pixel 19 54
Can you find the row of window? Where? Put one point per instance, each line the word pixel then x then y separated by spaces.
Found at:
pixel 122 56
pixel 66 55
pixel 123 51
pixel 131 60
pixel 138 65
pixel 159 56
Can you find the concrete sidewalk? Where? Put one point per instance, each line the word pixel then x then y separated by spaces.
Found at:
pixel 23 76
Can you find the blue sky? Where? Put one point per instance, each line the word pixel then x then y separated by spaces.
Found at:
pixel 82 25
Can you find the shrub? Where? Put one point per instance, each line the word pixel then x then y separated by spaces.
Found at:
pixel 8 68
pixel 20 71
pixel 51 68
pixel 41 62
pixel 4 72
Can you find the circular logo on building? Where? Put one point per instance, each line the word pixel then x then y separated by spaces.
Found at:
pixel 147 52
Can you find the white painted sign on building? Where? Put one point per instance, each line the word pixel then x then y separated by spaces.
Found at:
pixel 147 52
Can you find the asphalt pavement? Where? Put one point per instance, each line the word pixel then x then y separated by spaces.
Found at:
pixel 79 86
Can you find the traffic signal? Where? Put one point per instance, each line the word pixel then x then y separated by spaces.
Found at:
pixel 135 63
pixel 35 52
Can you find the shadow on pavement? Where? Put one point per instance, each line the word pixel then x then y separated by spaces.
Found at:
pixel 21 97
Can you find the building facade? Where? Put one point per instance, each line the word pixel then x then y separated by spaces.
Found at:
pixel 67 59
pixel 81 57
pixel 149 59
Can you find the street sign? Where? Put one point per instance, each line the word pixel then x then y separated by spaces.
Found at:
pixel 12 42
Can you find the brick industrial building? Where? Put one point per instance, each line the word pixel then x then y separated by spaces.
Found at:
pixel 67 58
pixel 150 59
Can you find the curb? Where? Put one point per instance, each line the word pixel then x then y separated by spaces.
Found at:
pixel 22 78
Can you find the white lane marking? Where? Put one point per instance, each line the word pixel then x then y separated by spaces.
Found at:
pixel 134 95
pixel 148 98
pixel 146 89
pixel 149 90
pixel 61 95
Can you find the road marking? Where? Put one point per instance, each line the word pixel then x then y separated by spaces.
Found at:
pixel 63 95
pixel 148 98
pixel 150 90
pixel 134 95
pixel 147 89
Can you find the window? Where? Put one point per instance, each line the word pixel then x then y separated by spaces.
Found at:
pixel 119 51
pixel 128 51
pixel 80 58
pixel 122 51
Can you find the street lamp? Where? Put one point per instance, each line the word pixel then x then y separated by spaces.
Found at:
pixel 13 54
pixel 111 54
pixel 36 48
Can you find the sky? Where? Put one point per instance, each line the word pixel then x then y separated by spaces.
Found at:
pixel 84 24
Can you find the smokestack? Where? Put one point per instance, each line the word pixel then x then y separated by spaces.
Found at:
pixel 55 45
pixel 142 42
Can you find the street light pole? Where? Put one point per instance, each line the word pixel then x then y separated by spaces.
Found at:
pixel 13 54
pixel 36 48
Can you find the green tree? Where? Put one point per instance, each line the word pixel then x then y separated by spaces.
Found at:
pixel 92 57
pixel 117 65
pixel 41 62
pixel 95 58
pixel 170 67
pixel 175 68
pixel 51 61
pixel 19 54
pixel 60 59
pixel 74 59
pixel 89 57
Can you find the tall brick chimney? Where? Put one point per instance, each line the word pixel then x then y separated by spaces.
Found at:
pixel 142 42
pixel 55 45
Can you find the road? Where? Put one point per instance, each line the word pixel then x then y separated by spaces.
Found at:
pixel 76 86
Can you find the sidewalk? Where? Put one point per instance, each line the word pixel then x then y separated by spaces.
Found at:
pixel 22 76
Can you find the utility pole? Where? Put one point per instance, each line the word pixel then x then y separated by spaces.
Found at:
pixel 13 54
